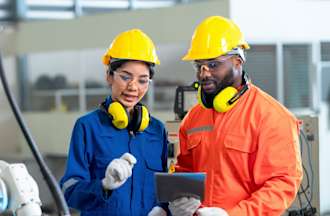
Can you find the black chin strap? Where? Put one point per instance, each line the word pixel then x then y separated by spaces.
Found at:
pixel 245 79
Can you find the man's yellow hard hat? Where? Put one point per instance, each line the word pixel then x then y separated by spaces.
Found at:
pixel 133 45
pixel 213 37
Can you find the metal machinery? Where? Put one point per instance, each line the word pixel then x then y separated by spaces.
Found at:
pixel 185 98
pixel 307 201
pixel 19 192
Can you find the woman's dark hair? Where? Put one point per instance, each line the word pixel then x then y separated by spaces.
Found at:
pixel 117 64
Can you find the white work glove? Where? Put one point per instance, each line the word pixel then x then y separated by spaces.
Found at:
pixel 118 171
pixel 211 211
pixel 157 211
pixel 184 206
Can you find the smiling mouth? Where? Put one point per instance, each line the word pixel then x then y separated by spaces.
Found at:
pixel 208 86
pixel 130 98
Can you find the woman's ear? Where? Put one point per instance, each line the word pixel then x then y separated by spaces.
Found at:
pixel 109 79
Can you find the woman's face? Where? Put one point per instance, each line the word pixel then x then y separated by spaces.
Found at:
pixel 129 83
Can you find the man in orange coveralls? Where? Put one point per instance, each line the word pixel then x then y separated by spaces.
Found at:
pixel 244 140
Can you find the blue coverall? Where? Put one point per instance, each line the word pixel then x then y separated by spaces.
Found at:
pixel 95 142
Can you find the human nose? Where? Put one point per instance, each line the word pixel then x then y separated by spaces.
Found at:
pixel 204 71
pixel 133 84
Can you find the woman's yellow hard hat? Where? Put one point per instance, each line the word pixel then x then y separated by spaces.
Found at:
pixel 133 45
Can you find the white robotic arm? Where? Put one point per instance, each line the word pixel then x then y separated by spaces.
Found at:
pixel 18 190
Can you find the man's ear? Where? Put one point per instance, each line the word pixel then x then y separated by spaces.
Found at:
pixel 238 63
pixel 239 60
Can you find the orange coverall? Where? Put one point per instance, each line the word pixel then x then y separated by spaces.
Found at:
pixel 251 155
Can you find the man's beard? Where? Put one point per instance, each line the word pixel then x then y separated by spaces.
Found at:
pixel 228 80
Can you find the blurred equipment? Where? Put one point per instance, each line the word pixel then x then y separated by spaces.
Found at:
pixel 307 201
pixel 185 98
pixel 18 191
pixel 173 146
pixel 171 168
pixel 62 207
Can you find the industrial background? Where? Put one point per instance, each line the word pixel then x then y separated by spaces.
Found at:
pixel 52 51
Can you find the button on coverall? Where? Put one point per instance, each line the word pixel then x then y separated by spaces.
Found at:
pixel 251 155
pixel 95 142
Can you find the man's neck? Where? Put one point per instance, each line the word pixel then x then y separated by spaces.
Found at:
pixel 238 80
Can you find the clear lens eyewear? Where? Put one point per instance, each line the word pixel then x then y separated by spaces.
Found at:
pixel 211 65
pixel 143 82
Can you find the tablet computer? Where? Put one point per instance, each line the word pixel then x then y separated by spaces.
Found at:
pixel 175 185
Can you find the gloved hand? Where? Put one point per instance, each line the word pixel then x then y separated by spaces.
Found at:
pixel 118 171
pixel 184 206
pixel 211 211
pixel 157 211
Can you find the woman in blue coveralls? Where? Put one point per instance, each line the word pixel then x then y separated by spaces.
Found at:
pixel 116 149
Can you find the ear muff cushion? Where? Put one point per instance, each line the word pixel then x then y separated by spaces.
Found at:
pixel 119 115
pixel 220 101
pixel 145 118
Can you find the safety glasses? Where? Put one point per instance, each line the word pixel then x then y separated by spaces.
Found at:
pixel 211 65
pixel 127 78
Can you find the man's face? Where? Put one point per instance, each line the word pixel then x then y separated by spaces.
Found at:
pixel 216 74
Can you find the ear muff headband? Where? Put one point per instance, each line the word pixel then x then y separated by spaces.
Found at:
pixel 238 94
pixel 136 118
pixel 141 118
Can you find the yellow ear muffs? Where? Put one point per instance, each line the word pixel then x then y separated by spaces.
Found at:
pixel 221 100
pixel 145 118
pixel 140 118
pixel 225 99
pixel 119 115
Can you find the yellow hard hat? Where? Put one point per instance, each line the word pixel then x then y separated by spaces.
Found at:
pixel 132 44
pixel 213 37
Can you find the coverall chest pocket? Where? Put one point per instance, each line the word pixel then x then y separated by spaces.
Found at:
pixel 152 153
pixel 109 144
pixel 193 141
pixel 99 166
pixel 197 143
pixel 240 155
pixel 198 147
